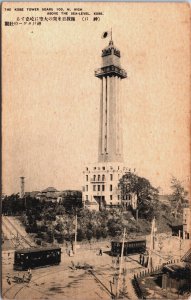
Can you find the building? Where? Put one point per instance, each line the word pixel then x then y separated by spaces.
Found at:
pixel 49 194
pixel 176 277
pixel 101 185
pixel 165 199
pixel 101 179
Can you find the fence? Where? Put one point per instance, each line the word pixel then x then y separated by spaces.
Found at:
pixel 147 272
pixel 137 288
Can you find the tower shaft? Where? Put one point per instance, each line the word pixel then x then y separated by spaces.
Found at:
pixel 110 147
pixel 110 128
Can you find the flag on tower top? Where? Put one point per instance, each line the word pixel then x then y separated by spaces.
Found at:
pixel 106 34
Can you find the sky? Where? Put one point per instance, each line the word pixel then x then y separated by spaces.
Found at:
pixel 51 97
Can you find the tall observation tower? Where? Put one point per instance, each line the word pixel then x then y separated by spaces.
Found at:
pixel 101 179
pixel 110 133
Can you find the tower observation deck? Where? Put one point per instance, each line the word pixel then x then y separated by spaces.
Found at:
pixel 110 147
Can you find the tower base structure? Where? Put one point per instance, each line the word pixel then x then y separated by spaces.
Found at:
pixel 101 188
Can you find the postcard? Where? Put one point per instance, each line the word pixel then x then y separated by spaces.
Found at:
pixel 96 150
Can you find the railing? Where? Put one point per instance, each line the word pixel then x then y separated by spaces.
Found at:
pixel 111 70
pixel 97 181
pixel 186 256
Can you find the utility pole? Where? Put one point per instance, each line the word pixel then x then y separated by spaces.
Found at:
pixel 137 215
pixel 180 242
pixel 121 263
pixel 22 187
pixel 75 236
pixel 22 190
pixel 152 242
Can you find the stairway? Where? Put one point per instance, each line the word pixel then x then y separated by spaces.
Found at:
pixel 187 256
pixel 15 232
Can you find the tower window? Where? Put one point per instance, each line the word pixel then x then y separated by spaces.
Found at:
pixel 111 197
pixel 86 187
pixel 103 177
pixel 94 178
pixel 98 177
pixel 86 177
pixel 111 177
pixel 94 187
pixel 98 188
pixel 86 197
pixel 103 188
pixel 110 187
pixel 103 168
pixel 86 169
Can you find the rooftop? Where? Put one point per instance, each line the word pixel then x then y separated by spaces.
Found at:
pixel 108 50
pixel 29 250
pixel 49 189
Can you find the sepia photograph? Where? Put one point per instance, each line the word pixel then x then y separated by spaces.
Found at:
pixel 96 158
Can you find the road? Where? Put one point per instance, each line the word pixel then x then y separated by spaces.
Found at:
pixel 62 282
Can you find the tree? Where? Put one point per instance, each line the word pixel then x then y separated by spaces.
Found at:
pixel 147 195
pixel 81 234
pixel 72 200
pixel 98 233
pixel 114 227
pixel 104 232
pixel 89 234
pixel 178 197
pixel 12 205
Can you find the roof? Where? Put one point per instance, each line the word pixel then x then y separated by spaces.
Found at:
pixel 177 226
pixel 51 195
pixel 173 268
pixel 34 193
pixel 32 250
pixel 177 270
pixel 164 198
pixel 107 50
pixel 73 192
pixel 49 189
pixel 129 240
